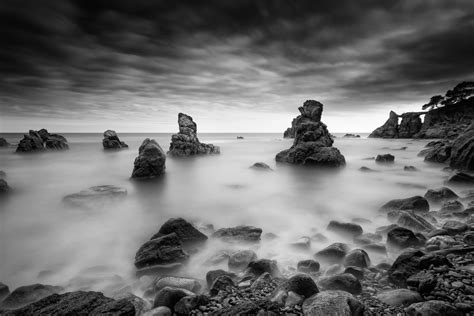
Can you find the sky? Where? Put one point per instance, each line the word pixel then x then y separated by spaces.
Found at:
pixel 233 65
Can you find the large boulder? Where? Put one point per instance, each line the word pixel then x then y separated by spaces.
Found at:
pixel 41 140
pixel 150 162
pixel 261 266
pixel 345 229
pixel 416 204
pixel 95 196
pixel 403 238
pixel 239 233
pixel 440 195
pixel 357 258
pixel 410 125
pixel 162 251
pixel 389 129
pixel 340 303
pixel 462 154
pixel 28 294
pixel 343 282
pixel 333 253
pixel 410 220
pixel 112 141
pixel 186 232
pixel 186 142
pixel 189 284
pixel 313 143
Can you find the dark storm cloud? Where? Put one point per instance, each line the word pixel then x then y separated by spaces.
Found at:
pixel 86 56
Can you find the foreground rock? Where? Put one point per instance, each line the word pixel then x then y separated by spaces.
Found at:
pixel 416 204
pixel 41 140
pixel 338 303
pixel 345 229
pixel 112 141
pixel 343 282
pixel 186 142
pixel 403 238
pixel 25 295
pixel 239 233
pixel 462 153
pixel 333 253
pixel 433 308
pixel 95 196
pixel 186 232
pixel 150 162
pixel 313 143
pixel 440 195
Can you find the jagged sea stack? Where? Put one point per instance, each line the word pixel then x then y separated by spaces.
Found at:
pixel 387 130
pixel 112 141
pixel 150 162
pixel 41 140
pixel 186 142
pixel 313 143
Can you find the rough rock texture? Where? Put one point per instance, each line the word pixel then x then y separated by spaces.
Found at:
pixel 261 266
pixel 399 297
pixel 417 204
pixel 440 195
pixel 313 143
pixel 439 153
pixel 338 303
pixel 161 251
pixel 112 141
pixel 169 296
pixel 186 142
pixel 95 196
pixel 239 233
pixel 461 178
pixel 402 238
pixel 240 259
pixel 345 229
pixel 343 282
pixel 150 162
pixel 333 253
pixel 386 158
pixel 189 284
pixel 3 142
pixel 462 153
pixel 41 140
pixel 389 129
pixel 28 294
pixel 410 125
pixel 432 308
pixel 186 232
pixel 4 291
pixel 357 258
pixel 308 266
pixel 301 284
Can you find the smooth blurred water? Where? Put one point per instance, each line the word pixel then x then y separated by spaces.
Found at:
pixel 38 232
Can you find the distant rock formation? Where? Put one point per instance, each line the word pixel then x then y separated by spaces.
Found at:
pixel 351 136
pixel 186 142
pixel 410 125
pixel 387 130
pixel 3 142
pixel 150 162
pixel 313 143
pixel 112 141
pixel 41 140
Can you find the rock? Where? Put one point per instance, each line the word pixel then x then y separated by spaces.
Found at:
pixel 386 158
pixel 318 237
pixel 150 162
pixel 164 250
pixel 4 187
pixel 239 233
pixel 261 166
pixel 338 303
pixel 28 294
pixel 468 239
pixel 4 291
pixel 333 253
pixel 441 242
pixel 345 229
pixel 3 142
pixel 261 282
pixel 303 243
pixel 189 303
pixel 186 232
pixel 240 137
pixel 376 248
pixel 462 155
pixel 461 178
pixel 308 266
pixel 112 141
pixel 410 125
pixel 389 129
pixel 355 271
pixel 189 284
pixel 239 260
pixel 333 269
pixel 417 204
pixel 221 283
pixel 403 238
pixel 399 297
pixel 41 140
pixel 410 220
pixel 344 282
pixel 301 284
pixel 410 168
pixel 451 207
pixel 95 196
pixel 432 308
pixel 383 230
pixel 212 275
pixel 159 311
pixel 455 227
pixel 366 169
pixel 440 195
pixel 169 296
pixel 367 238
pixel 77 303
pixel 313 144
pixel 439 153
pixel 261 266
pixel 351 136
pixel 357 258
pixel 186 142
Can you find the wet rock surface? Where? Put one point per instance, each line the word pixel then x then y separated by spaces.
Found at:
pixel 112 141
pixel 41 140
pixel 150 162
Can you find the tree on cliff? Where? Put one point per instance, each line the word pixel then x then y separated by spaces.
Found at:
pixel 462 91
pixel 434 101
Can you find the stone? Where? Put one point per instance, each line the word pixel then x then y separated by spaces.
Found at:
pixel 366 169
pixel 416 204
pixel 410 125
pixel 95 196
pixel 351 136
pixel 389 129
pixel 399 297
pixel 343 282
pixel 28 294
pixel 386 158
pixel 240 259
pixel 461 178
pixel 112 141
pixel 261 166
pixel 303 243
pixel 345 229
pixel 159 311
pixel 357 258
pixel 440 195
pixel 301 284
pixel 3 142
pixel 410 221
pixel 186 232
pixel 439 153
pixel 338 303
pixel 333 253
pixel 432 308
pixel 150 162
pixel 455 227
pixel 41 140
pixel 212 275
pixel 367 238
pixel 189 303
pixel 221 283
pixel 376 248
pixel 186 142
pixel 161 251
pixel 441 242
pixel 469 239
pixel 189 284
pixel 462 154
pixel 261 266
pixel 4 187
pixel 449 207
pixel 355 271
pixel 239 233
pixel 308 266
pixel 403 238
pixel 169 296
pixel 4 291
pixel 410 168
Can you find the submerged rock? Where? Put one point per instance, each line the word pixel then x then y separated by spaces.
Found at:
pixel 403 238
pixel 28 294
pixel 313 144
pixel 41 140
pixel 333 253
pixel 345 229
pixel 340 303
pixel 239 233
pixel 389 129
pixel 112 141
pixel 150 162
pixel 308 266
pixel 261 166
pixel 386 158
pixel 95 196
pixel 240 259
pixel 186 142
pixel 189 284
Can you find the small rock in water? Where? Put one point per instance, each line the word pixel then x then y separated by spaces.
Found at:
pixel 346 229
pixel 239 233
pixel 308 266
pixel 410 168
pixel 261 166
pixel 303 243
pixel 112 141
pixel 386 158
pixel 186 232
pixel 333 253
pixel 403 238
pixel 366 169
pixel 440 195
pixel 261 266
pixel 3 142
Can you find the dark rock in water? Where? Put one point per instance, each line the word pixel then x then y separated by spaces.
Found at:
pixel 366 169
pixel 262 266
pixel 77 303
pixel 112 141
pixel 261 166
pixel 222 282
pixel 455 227
pixel 41 140
pixel 313 144
pixel 189 303
pixel 95 196
pixel 462 155
pixel 333 253
pixel 4 187
pixel 186 142
pixel 240 137
pixel 439 153
pixel 451 207
pixel 461 178
pixel 164 250
pixel 189 284
pixel 410 220
pixel 4 291
pixel 386 158
pixel 376 248
pixel 355 271
pixel 339 303
pixel 169 296
pixel 3 142
pixel 410 125
pixel 240 259
pixel 186 232
pixel 343 282
pixel 433 308
pixel 212 275
pixel 410 168
pixel 440 195
pixel 239 233
pixel 308 266
pixel 345 229
pixel 351 136
pixel 403 238
pixel 416 204
pixel 28 294
pixel 399 297
pixel 389 129
pixel 357 258
pixel 301 284
pixel 150 162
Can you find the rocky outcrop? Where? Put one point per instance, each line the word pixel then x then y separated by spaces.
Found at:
pixel 186 232
pixel 389 129
pixel 112 141
pixel 313 143
pixel 410 125
pixel 41 140
pixel 462 151
pixel 291 131
pixel 150 162
pixel 186 142
pixel 3 142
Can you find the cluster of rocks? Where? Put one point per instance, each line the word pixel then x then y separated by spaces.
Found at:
pixel 41 140
pixel 112 141
pixel 313 143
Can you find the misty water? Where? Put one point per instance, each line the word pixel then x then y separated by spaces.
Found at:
pixel 42 240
